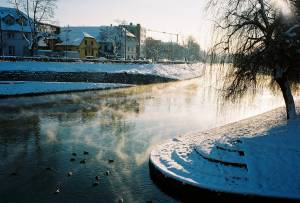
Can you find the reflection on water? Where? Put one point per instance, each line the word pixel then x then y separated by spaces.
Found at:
pixel 121 125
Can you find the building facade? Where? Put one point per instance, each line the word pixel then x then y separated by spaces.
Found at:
pixel 14 32
pixel 140 34
pixel 122 42
pixel 128 45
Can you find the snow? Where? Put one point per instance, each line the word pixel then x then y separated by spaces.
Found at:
pixel 257 156
pixel 178 71
pixel 10 88
pixel 87 35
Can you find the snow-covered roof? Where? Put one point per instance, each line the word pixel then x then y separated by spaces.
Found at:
pixel 42 43
pixel 5 11
pixel 74 35
pixel 129 34
pixel 87 35
pixel 100 33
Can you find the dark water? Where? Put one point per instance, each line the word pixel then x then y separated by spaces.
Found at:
pixel 121 125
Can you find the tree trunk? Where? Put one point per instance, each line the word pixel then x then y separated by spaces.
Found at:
pixel 31 52
pixel 287 95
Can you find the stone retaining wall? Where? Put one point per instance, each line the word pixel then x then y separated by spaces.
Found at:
pixel 124 78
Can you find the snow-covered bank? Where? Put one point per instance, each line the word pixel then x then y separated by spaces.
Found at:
pixel 8 88
pixel 258 156
pixel 178 71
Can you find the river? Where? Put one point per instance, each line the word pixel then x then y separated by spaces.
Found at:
pixel 39 134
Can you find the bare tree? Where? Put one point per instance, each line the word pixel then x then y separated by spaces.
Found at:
pixel 262 38
pixel 193 49
pixel 37 13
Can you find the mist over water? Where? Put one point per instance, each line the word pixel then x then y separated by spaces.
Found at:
pixel 122 125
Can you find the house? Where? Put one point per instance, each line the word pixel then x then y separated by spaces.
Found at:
pixel 48 36
pixel 77 43
pixel 14 32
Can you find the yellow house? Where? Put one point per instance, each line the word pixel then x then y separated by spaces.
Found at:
pixel 76 43
pixel 89 48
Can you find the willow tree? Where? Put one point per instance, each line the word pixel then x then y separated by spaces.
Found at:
pixel 261 37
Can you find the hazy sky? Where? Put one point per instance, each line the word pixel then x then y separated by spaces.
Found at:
pixel 185 17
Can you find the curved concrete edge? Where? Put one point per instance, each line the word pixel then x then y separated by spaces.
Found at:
pixel 188 192
pixel 169 176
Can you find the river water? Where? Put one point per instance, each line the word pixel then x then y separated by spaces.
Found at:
pixel 40 133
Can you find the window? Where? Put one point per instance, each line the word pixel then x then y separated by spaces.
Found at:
pixel 11 35
pixel 9 20
pixel 92 43
pixel 86 53
pixel 11 51
pixel 85 42
pixel 22 21
pixel 25 50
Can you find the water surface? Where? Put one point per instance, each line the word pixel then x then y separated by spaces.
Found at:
pixel 121 125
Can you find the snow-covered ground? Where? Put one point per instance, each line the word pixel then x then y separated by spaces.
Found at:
pixel 9 88
pixel 257 156
pixel 178 71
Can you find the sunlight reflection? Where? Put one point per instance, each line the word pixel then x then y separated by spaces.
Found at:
pixel 284 6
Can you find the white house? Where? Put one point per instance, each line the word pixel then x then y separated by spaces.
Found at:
pixel 14 27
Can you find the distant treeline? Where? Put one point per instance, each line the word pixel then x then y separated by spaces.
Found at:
pixel 158 50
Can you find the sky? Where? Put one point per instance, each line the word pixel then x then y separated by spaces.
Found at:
pixel 185 17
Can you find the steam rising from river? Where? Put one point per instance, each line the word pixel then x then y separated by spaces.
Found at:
pixel 123 125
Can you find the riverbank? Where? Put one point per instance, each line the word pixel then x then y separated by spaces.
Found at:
pixel 21 88
pixel 252 159
pixel 67 77
pixel 78 76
